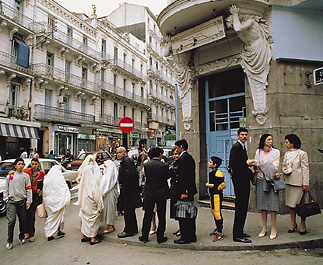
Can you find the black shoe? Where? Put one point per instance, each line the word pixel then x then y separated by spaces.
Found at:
pixel 302 233
pixel 242 240
pixel 164 239
pixel 181 242
pixel 60 234
pixel 246 235
pixel 124 234
pixel 193 240
pixel 96 242
pixel 143 240
pixel 87 239
pixel 50 238
pixel 292 230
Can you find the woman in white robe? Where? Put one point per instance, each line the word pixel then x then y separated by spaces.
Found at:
pixel 110 190
pixel 90 200
pixel 56 197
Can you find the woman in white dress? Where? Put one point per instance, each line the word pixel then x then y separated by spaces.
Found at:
pixel 110 190
pixel 90 200
pixel 267 199
pixel 56 197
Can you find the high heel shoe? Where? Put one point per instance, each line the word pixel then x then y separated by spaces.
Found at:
pixel 273 236
pixel 292 231
pixel 262 234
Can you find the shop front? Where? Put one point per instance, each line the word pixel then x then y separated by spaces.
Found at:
pixel 65 138
pixel 108 138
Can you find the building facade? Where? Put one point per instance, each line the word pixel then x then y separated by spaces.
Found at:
pixel 246 64
pixel 68 79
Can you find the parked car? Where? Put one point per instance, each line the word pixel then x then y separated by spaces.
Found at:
pixel 99 156
pixel 45 165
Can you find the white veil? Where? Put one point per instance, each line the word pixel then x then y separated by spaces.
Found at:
pixel 56 193
pixel 86 163
pixel 110 178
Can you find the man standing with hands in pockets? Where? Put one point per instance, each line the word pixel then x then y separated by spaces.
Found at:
pixel 241 177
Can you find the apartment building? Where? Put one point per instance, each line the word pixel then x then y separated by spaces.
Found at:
pixel 141 22
pixel 67 79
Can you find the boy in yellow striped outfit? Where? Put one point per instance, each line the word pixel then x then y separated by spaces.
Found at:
pixel 216 184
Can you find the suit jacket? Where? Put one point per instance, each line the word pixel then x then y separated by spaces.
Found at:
pixel 186 176
pixel 300 175
pixel 156 187
pixel 238 163
pixel 129 181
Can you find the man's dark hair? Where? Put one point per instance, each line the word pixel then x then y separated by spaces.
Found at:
pixel 241 129
pixel 294 139
pixel 262 140
pixel 18 160
pixel 31 149
pixel 182 143
pixel 35 159
pixel 140 148
pixel 216 161
pixel 155 151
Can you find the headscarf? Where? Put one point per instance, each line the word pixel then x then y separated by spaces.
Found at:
pixel 85 163
pixel 110 177
pixel 56 193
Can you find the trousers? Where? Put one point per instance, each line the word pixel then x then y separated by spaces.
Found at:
pixel 16 208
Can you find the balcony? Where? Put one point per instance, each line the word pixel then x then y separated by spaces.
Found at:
pixel 141 126
pixel 16 18
pixel 105 86
pixel 117 64
pixel 14 112
pixel 160 119
pixel 159 96
pixel 160 76
pixel 52 114
pixel 65 40
pixel 109 120
pixel 9 61
pixel 65 78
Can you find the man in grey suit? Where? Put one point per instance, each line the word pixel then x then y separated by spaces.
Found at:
pixel 155 192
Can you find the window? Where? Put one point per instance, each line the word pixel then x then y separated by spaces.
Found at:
pixel 102 75
pixel 14 95
pixel 115 111
pixel 142 92
pixel 124 84
pixel 83 110
pixel 84 77
pixel 156 65
pixel 141 68
pixel 84 48
pixel 102 107
pixel 67 70
pixel 133 88
pixel 69 35
pixel 49 63
pixel 114 80
pixel 151 85
pixel 141 118
pixel 133 114
pixel 115 54
pixel 124 111
pixel 104 49
pixel 150 61
pixel 124 57
pixel 20 52
pixel 51 24
pixel 150 39
pixel 133 65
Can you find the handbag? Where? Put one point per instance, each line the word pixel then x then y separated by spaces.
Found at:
pixel 305 209
pixel 41 211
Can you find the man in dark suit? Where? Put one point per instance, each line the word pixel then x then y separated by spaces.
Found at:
pixel 155 192
pixel 185 190
pixel 129 198
pixel 241 177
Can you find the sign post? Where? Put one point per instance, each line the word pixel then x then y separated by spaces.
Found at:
pixel 126 125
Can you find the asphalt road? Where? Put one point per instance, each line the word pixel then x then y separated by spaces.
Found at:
pixel 69 250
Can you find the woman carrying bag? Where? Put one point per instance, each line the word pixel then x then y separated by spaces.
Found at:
pixel 296 173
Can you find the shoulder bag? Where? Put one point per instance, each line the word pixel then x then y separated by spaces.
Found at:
pixel 305 209
pixel 41 211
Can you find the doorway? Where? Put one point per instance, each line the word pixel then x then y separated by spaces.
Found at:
pixel 225 113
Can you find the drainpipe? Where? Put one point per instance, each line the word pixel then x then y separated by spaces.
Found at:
pixel 176 111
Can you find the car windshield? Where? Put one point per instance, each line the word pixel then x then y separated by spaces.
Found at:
pixel 82 156
pixel 5 167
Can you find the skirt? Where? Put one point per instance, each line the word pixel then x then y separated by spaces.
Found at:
pixel 267 201
pixel 293 195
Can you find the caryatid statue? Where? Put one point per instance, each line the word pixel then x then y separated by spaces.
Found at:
pixel 185 74
pixel 256 56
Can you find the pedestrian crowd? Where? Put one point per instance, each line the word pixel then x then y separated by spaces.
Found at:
pixel 122 186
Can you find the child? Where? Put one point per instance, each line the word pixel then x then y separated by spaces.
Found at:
pixel 216 184
pixel 18 196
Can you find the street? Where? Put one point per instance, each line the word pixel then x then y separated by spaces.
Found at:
pixel 69 250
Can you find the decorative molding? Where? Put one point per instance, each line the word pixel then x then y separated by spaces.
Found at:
pixel 219 64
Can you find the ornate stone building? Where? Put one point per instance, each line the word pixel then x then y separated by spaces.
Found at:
pixel 246 63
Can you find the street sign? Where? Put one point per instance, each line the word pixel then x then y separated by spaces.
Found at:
pixel 126 124
pixel 318 76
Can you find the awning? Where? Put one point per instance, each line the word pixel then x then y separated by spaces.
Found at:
pixel 18 131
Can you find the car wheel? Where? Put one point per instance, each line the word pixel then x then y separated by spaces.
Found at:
pixel 2 207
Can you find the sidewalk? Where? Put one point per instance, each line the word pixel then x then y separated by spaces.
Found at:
pixel 205 225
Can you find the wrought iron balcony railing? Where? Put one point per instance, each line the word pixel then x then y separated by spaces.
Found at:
pixel 9 60
pixel 123 93
pixel 129 68
pixel 14 15
pixel 14 112
pixel 169 100
pixel 48 113
pixel 59 75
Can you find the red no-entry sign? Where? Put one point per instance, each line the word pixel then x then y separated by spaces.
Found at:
pixel 126 124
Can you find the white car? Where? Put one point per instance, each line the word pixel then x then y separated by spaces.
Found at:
pixel 45 165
